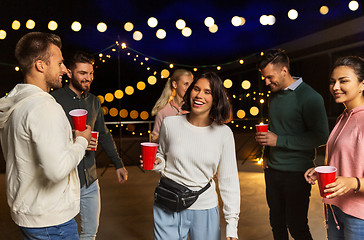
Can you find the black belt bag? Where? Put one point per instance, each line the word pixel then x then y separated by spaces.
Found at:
pixel 174 196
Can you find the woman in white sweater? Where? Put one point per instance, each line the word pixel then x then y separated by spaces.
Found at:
pixel 192 149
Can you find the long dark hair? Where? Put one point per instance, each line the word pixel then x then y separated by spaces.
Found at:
pixel 220 111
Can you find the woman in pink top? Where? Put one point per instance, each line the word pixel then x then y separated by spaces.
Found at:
pixel 345 151
pixel 171 99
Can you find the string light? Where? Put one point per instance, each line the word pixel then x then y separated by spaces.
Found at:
pixel 128 27
pixel 30 24
pixel 353 5
pixel 52 25
pixel 209 21
pixel 2 34
pixel 101 27
pixel 76 26
pixel 15 25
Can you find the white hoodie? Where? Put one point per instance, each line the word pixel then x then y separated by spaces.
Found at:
pixel 41 158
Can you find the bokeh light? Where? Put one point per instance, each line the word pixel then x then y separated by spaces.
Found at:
pixel 128 26
pixel 165 73
pixel 271 20
pixel 324 10
pixel 119 94
pixel 15 25
pixel 144 115
pixel 263 20
pixel 2 34
pixel 30 24
pixel 152 22
pixel 130 127
pixel 113 112
pixel 236 21
pixel 186 31
pixel 129 90
pixel 141 85
pixel 137 36
pixel 134 114
pixel 213 28
pixel 254 111
pixel 101 99
pixel 105 110
pixel 109 97
pixel 123 113
pixel 152 80
pixel 242 21
pixel 76 26
pixel 246 84
pixel 209 21
pixel 353 5
pixel 101 27
pixel 240 113
pixel 161 34
pixel 180 24
pixel 228 83
pixel 292 14
pixel 52 25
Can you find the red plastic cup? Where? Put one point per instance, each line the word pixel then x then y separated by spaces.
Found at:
pixel 95 135
pixel 262 127
pixel 149 151
pixel 325 175
pixel 79 117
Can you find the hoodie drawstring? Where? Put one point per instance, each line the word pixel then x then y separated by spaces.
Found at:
pixel 326 209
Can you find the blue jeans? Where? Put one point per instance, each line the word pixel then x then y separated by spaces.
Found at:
pixel 288 197
pixel 196 224
pixel 90 211
pixel 64 231
pixel 351 228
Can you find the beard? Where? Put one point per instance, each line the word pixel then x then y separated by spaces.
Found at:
pixel 53 82
pixel 78 86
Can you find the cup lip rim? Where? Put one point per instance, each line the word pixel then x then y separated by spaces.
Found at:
pixel 264 124
pixel 78 114
pixel 331 168
pixel 149 144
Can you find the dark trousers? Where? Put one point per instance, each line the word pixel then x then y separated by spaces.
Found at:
pixel 288 197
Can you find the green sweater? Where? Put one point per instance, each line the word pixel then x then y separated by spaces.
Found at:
pixel 299 119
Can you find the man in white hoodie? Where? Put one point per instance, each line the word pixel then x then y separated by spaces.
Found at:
pixel 41 155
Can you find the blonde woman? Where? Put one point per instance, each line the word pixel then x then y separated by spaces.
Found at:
pixel 171 99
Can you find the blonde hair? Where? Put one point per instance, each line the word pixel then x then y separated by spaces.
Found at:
pixel 169 92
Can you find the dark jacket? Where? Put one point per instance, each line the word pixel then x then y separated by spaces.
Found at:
pixel 95 118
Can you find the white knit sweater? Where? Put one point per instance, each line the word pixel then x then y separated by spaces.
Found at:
pixel 191 156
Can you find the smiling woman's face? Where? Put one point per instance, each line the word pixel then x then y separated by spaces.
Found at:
pixel 201 97
pixel 345 87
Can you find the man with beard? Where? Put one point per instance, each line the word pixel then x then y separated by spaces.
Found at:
pixel 297 125
pixel 36 138
pixel 73 96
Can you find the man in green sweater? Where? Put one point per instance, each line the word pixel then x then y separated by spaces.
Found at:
pixel 297 125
